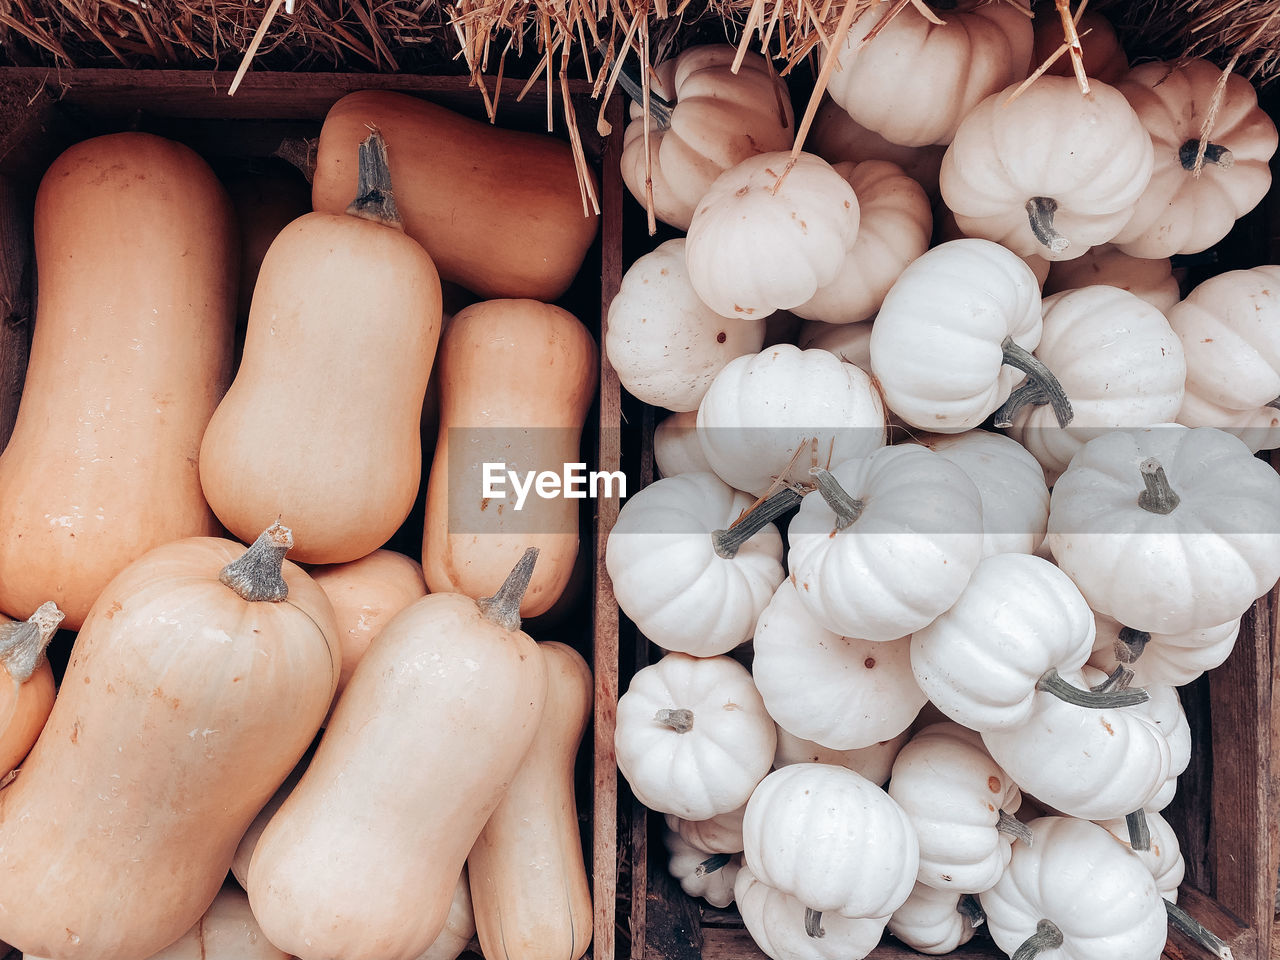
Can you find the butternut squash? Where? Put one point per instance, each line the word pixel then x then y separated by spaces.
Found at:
pixel 500 211
pixel 528 878
pixel 365 594
pixel 516 380
pixel 26 682
pixel 136 255
pixel 320 425
pixel 362 860
pixel 459 927
pixel 249 842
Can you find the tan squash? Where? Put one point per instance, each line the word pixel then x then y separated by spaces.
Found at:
pixel 528 879
pixel 362 860
pixel 200 675
pixel 249 842
pixel 459 926
pixel 365 594
pixel 516 380
pixel 499 211
pixel 26 682
pixel 320 426
pixel 136 256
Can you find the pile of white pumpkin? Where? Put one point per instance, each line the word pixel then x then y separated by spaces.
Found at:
pixel 939 617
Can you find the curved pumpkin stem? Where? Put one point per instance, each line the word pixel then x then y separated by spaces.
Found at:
pixel 1275 404
pixel 1052 682
pixel 728 541
pixel 1130 644
pixel 1028 394
pixel 1020 358
pixel 1158 497
pixel 375 199
pixel 713 863
pixel 969 907
pixel 23 642
pixel 1011 826
pixel 813 923
pixel 845 507
pixel 659 107
pixel 1194 929
pixel 1139 829
pixel 1046 937
pixel 1213 153
pixel 1040 211
pixel 503 608
pixel 1118 679
pixel 256 575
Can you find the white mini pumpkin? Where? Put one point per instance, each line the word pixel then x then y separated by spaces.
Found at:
pixel 1152 280
pixel 692 736
pixel 838 691
pixel 665 343
pixel 831 839
pixel 718 117
pixel 690 583
pixel 835 137
pixel 720 834
pixel 761 242
pixel 762 409
pixel 895 550
pixel 676 448
pixel 936 921
pixel 851 342
pixel 1161 659
pixel 1164 709
pixel 873 762
pixel 1104 57
pixel 1164 856
pixel 701 874
pixel 1168 528
pixel 895 222
pixel 785 929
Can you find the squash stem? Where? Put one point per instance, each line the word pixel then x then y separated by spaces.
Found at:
pixel 1213 153
pixel 681 721
pixel 375 199
pixel 23 642
pixel 659 107
pixel 1029 394
pixel 713 863
pixel 728 541
pixel 1118 679
pixel 1020 358
pixel 1158 497
pixel 845 507
pixel 813 923
pixel 1139 829
pixel 256 575
pixel 1130 644
pixel 1040 211
pixel 1197 931
pixel 1274 404
pixel 503 608
pixel 1053 683
pixel 1046 937
pixel 1011 826
pixel 970 908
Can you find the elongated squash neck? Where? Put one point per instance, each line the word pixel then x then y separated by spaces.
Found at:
pixel 257 574
pixel 503 608
pixel 375 199
pixel 23 642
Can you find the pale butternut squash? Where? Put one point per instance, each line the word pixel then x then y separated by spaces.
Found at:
pixel 500 211
pixel 516 380
pixel 249 842
pixel 200 675
pixel 136 255
pixel 365 594
pixel 26 682
pixel 528 879
pixel 362 860
pixel 320 425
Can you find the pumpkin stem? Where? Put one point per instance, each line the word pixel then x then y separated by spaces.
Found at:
pixel 1213 153
pixel 1193 928
pixel 712 864
pixel 503 608
pixel 1273 403
pixel 1028 394
pixel 1130 644
pixel 728 541
pixel 970 908
pixel 256 574
pixel 374 198
pixel 1117 679
pixel 845 507
pixel 1139 829
pixel 1020 358
pixel 1053 683
pixel 813 923
pixel 23 642
pixel 681 721
pixel 1046 937
pixel 659 107
pixel 1011 826
pixel 1158 497
pixel 1040 211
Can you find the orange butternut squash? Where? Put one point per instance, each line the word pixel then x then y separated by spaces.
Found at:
pixel 500 211
pixel 26 682
pixel 320 425
pixel 528 880
pixel 200 675
pixel 362 860
pixel 516 380
pixel 135 249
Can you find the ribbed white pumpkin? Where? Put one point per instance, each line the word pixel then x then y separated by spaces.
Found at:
pixel 719 834
pixel 1163 859
pixel 709 876
pixel 1162 659
pixel 873 762
pixel 1152 280
pixel 851 342
pixel 777 923
pixel 931 922
pixel 835 136
pixel 1164 709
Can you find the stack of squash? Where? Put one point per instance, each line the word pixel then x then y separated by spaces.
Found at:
pixel 1023 461
pixel 439 797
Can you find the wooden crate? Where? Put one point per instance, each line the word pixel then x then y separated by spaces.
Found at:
pixel 1227 813
pixel 43 111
